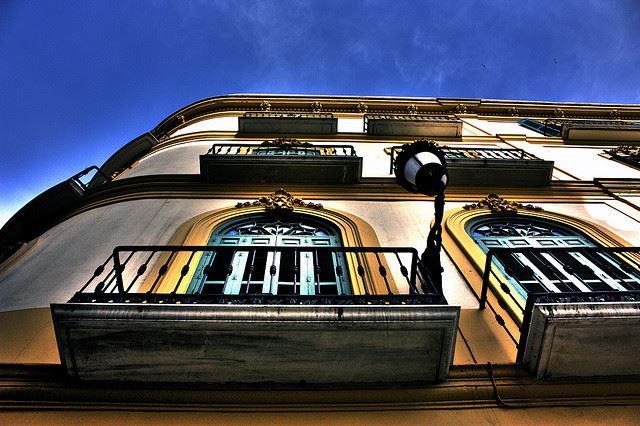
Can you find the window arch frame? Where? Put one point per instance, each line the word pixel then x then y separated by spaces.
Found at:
pixel 470 258
pixel 354 232
pixel 329 237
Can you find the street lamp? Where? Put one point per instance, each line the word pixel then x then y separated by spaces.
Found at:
pixel 421 167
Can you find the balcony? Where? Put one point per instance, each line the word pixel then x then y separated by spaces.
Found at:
pixel 283 160
pixel 134 319
pixel 580 314
pixel 588 131
pixel 626 154
pixel 412 125
pixel 491 167
pixel 288 122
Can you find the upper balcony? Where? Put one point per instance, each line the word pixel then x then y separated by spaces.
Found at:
pixel 576 309
pixel 588 131
pixel 258 314
pixel 288 123
pixel 491 166
pixel 282 160
pixel 626 154
pixel 412 125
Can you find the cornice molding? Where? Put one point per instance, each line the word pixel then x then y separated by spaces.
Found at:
pixel 389 105
pixel 35 387
pixel 369 189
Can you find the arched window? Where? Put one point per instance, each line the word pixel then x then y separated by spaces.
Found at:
pixel 538 271
pixel 272 270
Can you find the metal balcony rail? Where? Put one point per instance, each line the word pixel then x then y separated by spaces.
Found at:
pixel 473 154
pixel 118 278
pixel 301 150
pixel 408 117
pixel 285 114
pixel 87 178
pixel 554 126
pixel 560 275
pixel 545 128
pixel 629 155
pixel 593 123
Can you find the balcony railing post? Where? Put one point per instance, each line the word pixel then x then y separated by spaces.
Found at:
pixel 420 290
pixel 526 323
pixel 117 267
pixel 485 279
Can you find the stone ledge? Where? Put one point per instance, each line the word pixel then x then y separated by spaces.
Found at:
pixel 584 340
pixel 256 344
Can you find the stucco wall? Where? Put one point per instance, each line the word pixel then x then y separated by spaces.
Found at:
pixel 66 256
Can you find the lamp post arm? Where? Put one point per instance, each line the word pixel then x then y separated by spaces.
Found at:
pixel 431 256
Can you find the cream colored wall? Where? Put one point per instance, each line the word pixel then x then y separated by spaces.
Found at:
pixel 68 254
pixel 501 127
pixel 585 163
pixel 185 158
pixel 406 224
pixel 229 124
pixel 177 159
pixel 350 125
pixel 572 162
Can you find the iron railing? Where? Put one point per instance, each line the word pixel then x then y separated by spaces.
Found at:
pixel 119 278
pixel 555 126
pixel 409 118
pixel 274 150
pixel 609 273
pixel 473 154
pixel 612 124
pixel 285 114
pixel 87 178
pixel 628 159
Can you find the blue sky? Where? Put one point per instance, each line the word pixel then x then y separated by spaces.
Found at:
pixel 79 79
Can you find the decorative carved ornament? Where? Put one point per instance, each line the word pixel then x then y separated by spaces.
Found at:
pixel 558 113
pixel 362 107
pixel 513 111
pixel 497 204
pixel 284 143
pixel 412 109
pixel 631 151
pixel 614 114
pixel 280 201
pixel 265 106
pixel 316 106
pixel 389 150
pixel 461 109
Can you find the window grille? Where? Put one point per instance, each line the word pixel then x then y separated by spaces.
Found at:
pixel 300 272
pixel 569 269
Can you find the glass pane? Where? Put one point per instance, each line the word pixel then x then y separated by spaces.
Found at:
pixel 326 266
pixel 257 260
pixel 295 271
pixel 219 268
pixel 288 263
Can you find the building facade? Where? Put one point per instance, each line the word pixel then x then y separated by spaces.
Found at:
pixel 253 259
